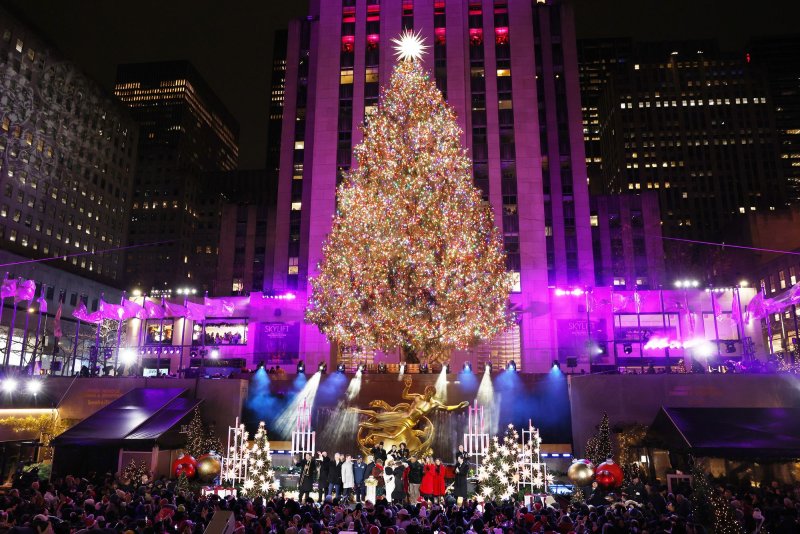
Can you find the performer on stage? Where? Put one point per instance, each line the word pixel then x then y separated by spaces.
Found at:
pixel 402 452
pixel 323 468
pixel 335 476
pixel 426 488
pixel 359 474
pixel 348 477
pixel 415 473
pixel 377 474
pixel 439 486
pixel 307 473
pixel 460 485
pixel 400 481
pixel 460 453
pixel 389 477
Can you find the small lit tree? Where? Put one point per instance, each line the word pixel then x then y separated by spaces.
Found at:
pixel 598 447
pixel 260 481
pixel 196 435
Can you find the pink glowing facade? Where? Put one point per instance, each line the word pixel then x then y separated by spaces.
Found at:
pixel 509 69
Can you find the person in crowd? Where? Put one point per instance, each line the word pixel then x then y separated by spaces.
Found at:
pixel 377 474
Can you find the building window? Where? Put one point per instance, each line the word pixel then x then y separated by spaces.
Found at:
pixel 238 285
pixel 346 77
pixel 296 206
pixel 20 45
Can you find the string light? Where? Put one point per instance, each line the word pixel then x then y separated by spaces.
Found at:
pixel 413 258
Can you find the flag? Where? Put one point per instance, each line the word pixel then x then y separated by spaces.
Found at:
pixel 9 288
pixel 57 321
pixel 736 309
pixel 219 307
pixel 174 310
pixel 195 312
pixel 154 310
pixel 133 309
pixel 756 308
pixel 637 300
pixel 111 311
pixel 618 302
pixel 42 303
pixel 26 290
pixel 715 307
pixel 82 313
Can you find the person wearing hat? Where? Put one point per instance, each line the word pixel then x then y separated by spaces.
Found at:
pixel 359 471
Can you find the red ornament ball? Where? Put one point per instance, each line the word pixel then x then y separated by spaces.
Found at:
pixel 185 464
pixel 609 474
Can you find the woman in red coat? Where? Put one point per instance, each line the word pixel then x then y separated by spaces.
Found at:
pixel 428 479
pixel 439 486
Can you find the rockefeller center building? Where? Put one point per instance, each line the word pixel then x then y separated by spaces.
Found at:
pixel 509 69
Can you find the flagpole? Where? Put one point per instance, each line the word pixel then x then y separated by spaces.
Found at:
pixel 38 330
pixel 77 333
pixel 183 334
pixel 767 317
pixel 57 323
pixel 97 340
pixel 119 332
pixel 796 339
pixel 203 352
pixel 25 333
pixel 716 324
pixel 2 307
pixel 589 348
pixel 160 340
pixel 667 365
pixel 10 336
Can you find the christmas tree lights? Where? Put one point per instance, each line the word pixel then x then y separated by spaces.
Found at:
pixel 260 479
pixel 413 258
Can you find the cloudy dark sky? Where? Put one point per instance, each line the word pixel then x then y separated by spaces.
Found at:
pixel 230 41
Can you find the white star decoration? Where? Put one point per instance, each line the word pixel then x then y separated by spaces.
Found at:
pixel 409 46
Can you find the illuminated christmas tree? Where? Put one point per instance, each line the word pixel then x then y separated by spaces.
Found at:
pixel 260 479
pixel 506 467
pixel 413 259
pixel 598 447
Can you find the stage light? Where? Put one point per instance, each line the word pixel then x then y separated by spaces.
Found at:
pixel 487 367
pixel 556 365
pixel 322 368
pixel 127 357
pixel 446 368
pixel 744 283
pixel 423 368
pixel 512 366
pixel 362 368
pixel 402 368
pixel 382 368
pixel 340 368
pixel 301 368
pixel 467 367
pixel 215 353
pixel 33 387
pixel 730 347
pixel 9 385
pixel 627 348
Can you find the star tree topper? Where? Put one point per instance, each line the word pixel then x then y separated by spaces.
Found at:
pixel 409 46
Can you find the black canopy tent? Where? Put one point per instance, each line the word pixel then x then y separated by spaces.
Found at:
pixel 144 419
pixel 731 433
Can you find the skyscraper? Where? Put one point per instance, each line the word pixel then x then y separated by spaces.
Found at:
pixel 780 57
pixel 184 132
pixel 509 68
pixel 696 125
pixel 67 158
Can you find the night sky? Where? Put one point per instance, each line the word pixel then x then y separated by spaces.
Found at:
pixel 232 47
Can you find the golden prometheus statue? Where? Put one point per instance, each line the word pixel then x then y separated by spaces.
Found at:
pixel 405 422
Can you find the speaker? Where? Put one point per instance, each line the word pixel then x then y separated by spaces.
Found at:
pixel 55 365
pixel 572 363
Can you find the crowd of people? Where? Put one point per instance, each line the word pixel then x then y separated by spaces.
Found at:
pixel 107 505
pixel 396 475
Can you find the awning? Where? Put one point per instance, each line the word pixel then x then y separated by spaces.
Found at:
pixel 140 417
pixel 735 433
